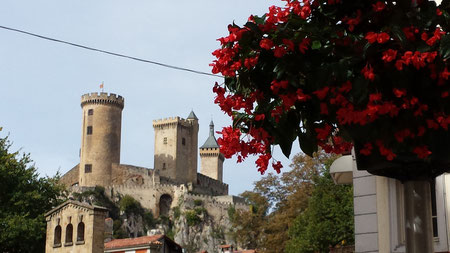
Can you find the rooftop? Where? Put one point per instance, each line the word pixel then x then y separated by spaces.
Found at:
pixel 139 241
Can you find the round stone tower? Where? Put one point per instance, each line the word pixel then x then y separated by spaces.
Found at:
pixel 100 137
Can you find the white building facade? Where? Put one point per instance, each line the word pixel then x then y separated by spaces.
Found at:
pixel 379 209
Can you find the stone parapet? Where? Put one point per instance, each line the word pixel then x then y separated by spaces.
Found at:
pixel 102 98
pixel 171 122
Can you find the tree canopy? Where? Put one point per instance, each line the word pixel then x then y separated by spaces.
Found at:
pixel 24 199
pixel 281 205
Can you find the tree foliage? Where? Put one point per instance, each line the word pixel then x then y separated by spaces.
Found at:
pixel 24 199
pixel 277 202
pixel 327 221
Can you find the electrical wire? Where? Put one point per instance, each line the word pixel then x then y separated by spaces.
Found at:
pixel 108 52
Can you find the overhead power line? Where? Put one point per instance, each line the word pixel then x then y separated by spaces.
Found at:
pixel 108 52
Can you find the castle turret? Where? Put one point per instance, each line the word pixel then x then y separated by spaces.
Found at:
pixel 211 158
pixel 100 138
pixel 176 148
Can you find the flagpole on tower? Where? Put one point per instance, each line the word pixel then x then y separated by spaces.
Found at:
pixel 101 86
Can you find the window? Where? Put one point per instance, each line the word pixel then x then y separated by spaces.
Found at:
pixel 87 168
pixel 57 237
pixel 164 166
pixel 80 232
pixel 165 140
pixel 183 141
pixel 91 112
pixel 89 130
pixel 69 235
pixel 433 208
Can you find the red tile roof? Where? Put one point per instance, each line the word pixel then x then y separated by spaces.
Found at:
pixel 144 240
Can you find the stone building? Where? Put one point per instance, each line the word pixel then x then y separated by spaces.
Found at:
pixel 75 227
pixel 174 177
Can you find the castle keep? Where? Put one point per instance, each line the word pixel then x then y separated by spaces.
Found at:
pixel 174 174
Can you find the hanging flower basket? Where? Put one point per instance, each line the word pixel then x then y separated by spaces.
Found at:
pixel 330 73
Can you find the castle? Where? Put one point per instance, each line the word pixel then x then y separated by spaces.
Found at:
pixel 174 178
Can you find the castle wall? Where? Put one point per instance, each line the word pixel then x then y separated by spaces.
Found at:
pixel 148 196
pixel 123 174
pixel 100 142
pixel 207 185
pixel 71 177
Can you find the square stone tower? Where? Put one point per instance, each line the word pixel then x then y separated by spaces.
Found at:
pixel 75 227
pixel 176 145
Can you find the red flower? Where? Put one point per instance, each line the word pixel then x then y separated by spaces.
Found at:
pixel 303 46
pixel 399 92
pixel 378 6
pixel 322 93
pixel 371 37
pixel 438 12
pixel 323 133
pixel 389 55
pixel 422 152
pixel 367 71
pixel 276 86
pixel 375 97
pixel 367 150
pixel 266 44
pixel 279 51
pixel 382 37
pixel 409 33
pixel 289 44
pixel 323 109
pixel 259 117
pixel 277 166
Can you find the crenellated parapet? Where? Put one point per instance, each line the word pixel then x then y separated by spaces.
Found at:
pixel 211 152
pixel 171 122
pixel 102 98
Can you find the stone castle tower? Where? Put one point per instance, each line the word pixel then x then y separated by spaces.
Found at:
pixel 212 159
pixel 176 144
pixel 100 137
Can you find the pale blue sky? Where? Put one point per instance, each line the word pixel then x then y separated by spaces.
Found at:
pixel 42 82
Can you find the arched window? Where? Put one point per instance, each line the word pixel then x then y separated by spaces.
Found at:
pixel 80 232
pixel 69 233
pixel 57 237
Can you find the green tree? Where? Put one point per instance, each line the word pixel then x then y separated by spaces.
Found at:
pixel 24 199
pixel 276 201
pixel 294 189
pixel 249 224
pixel 328 219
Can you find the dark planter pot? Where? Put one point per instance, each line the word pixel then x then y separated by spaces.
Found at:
pixel 407 166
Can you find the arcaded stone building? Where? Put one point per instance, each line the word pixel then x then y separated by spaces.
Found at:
pixel 76 228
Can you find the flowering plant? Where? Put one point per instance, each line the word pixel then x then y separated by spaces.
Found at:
pixel 334 73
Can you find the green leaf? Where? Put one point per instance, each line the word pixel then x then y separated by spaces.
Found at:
pixel 307 144
pixel 316 44
pixel 444 48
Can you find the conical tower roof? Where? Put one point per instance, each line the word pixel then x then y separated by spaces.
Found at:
pixel 211 142
pixel 192 115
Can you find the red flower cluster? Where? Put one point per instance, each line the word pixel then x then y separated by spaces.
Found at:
pixel 381 38
pixel 285 65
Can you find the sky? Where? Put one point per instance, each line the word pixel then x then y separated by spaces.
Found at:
pixel 41 82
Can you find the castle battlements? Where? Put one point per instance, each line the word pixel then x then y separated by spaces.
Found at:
pixel 102 98
pixel 172 121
